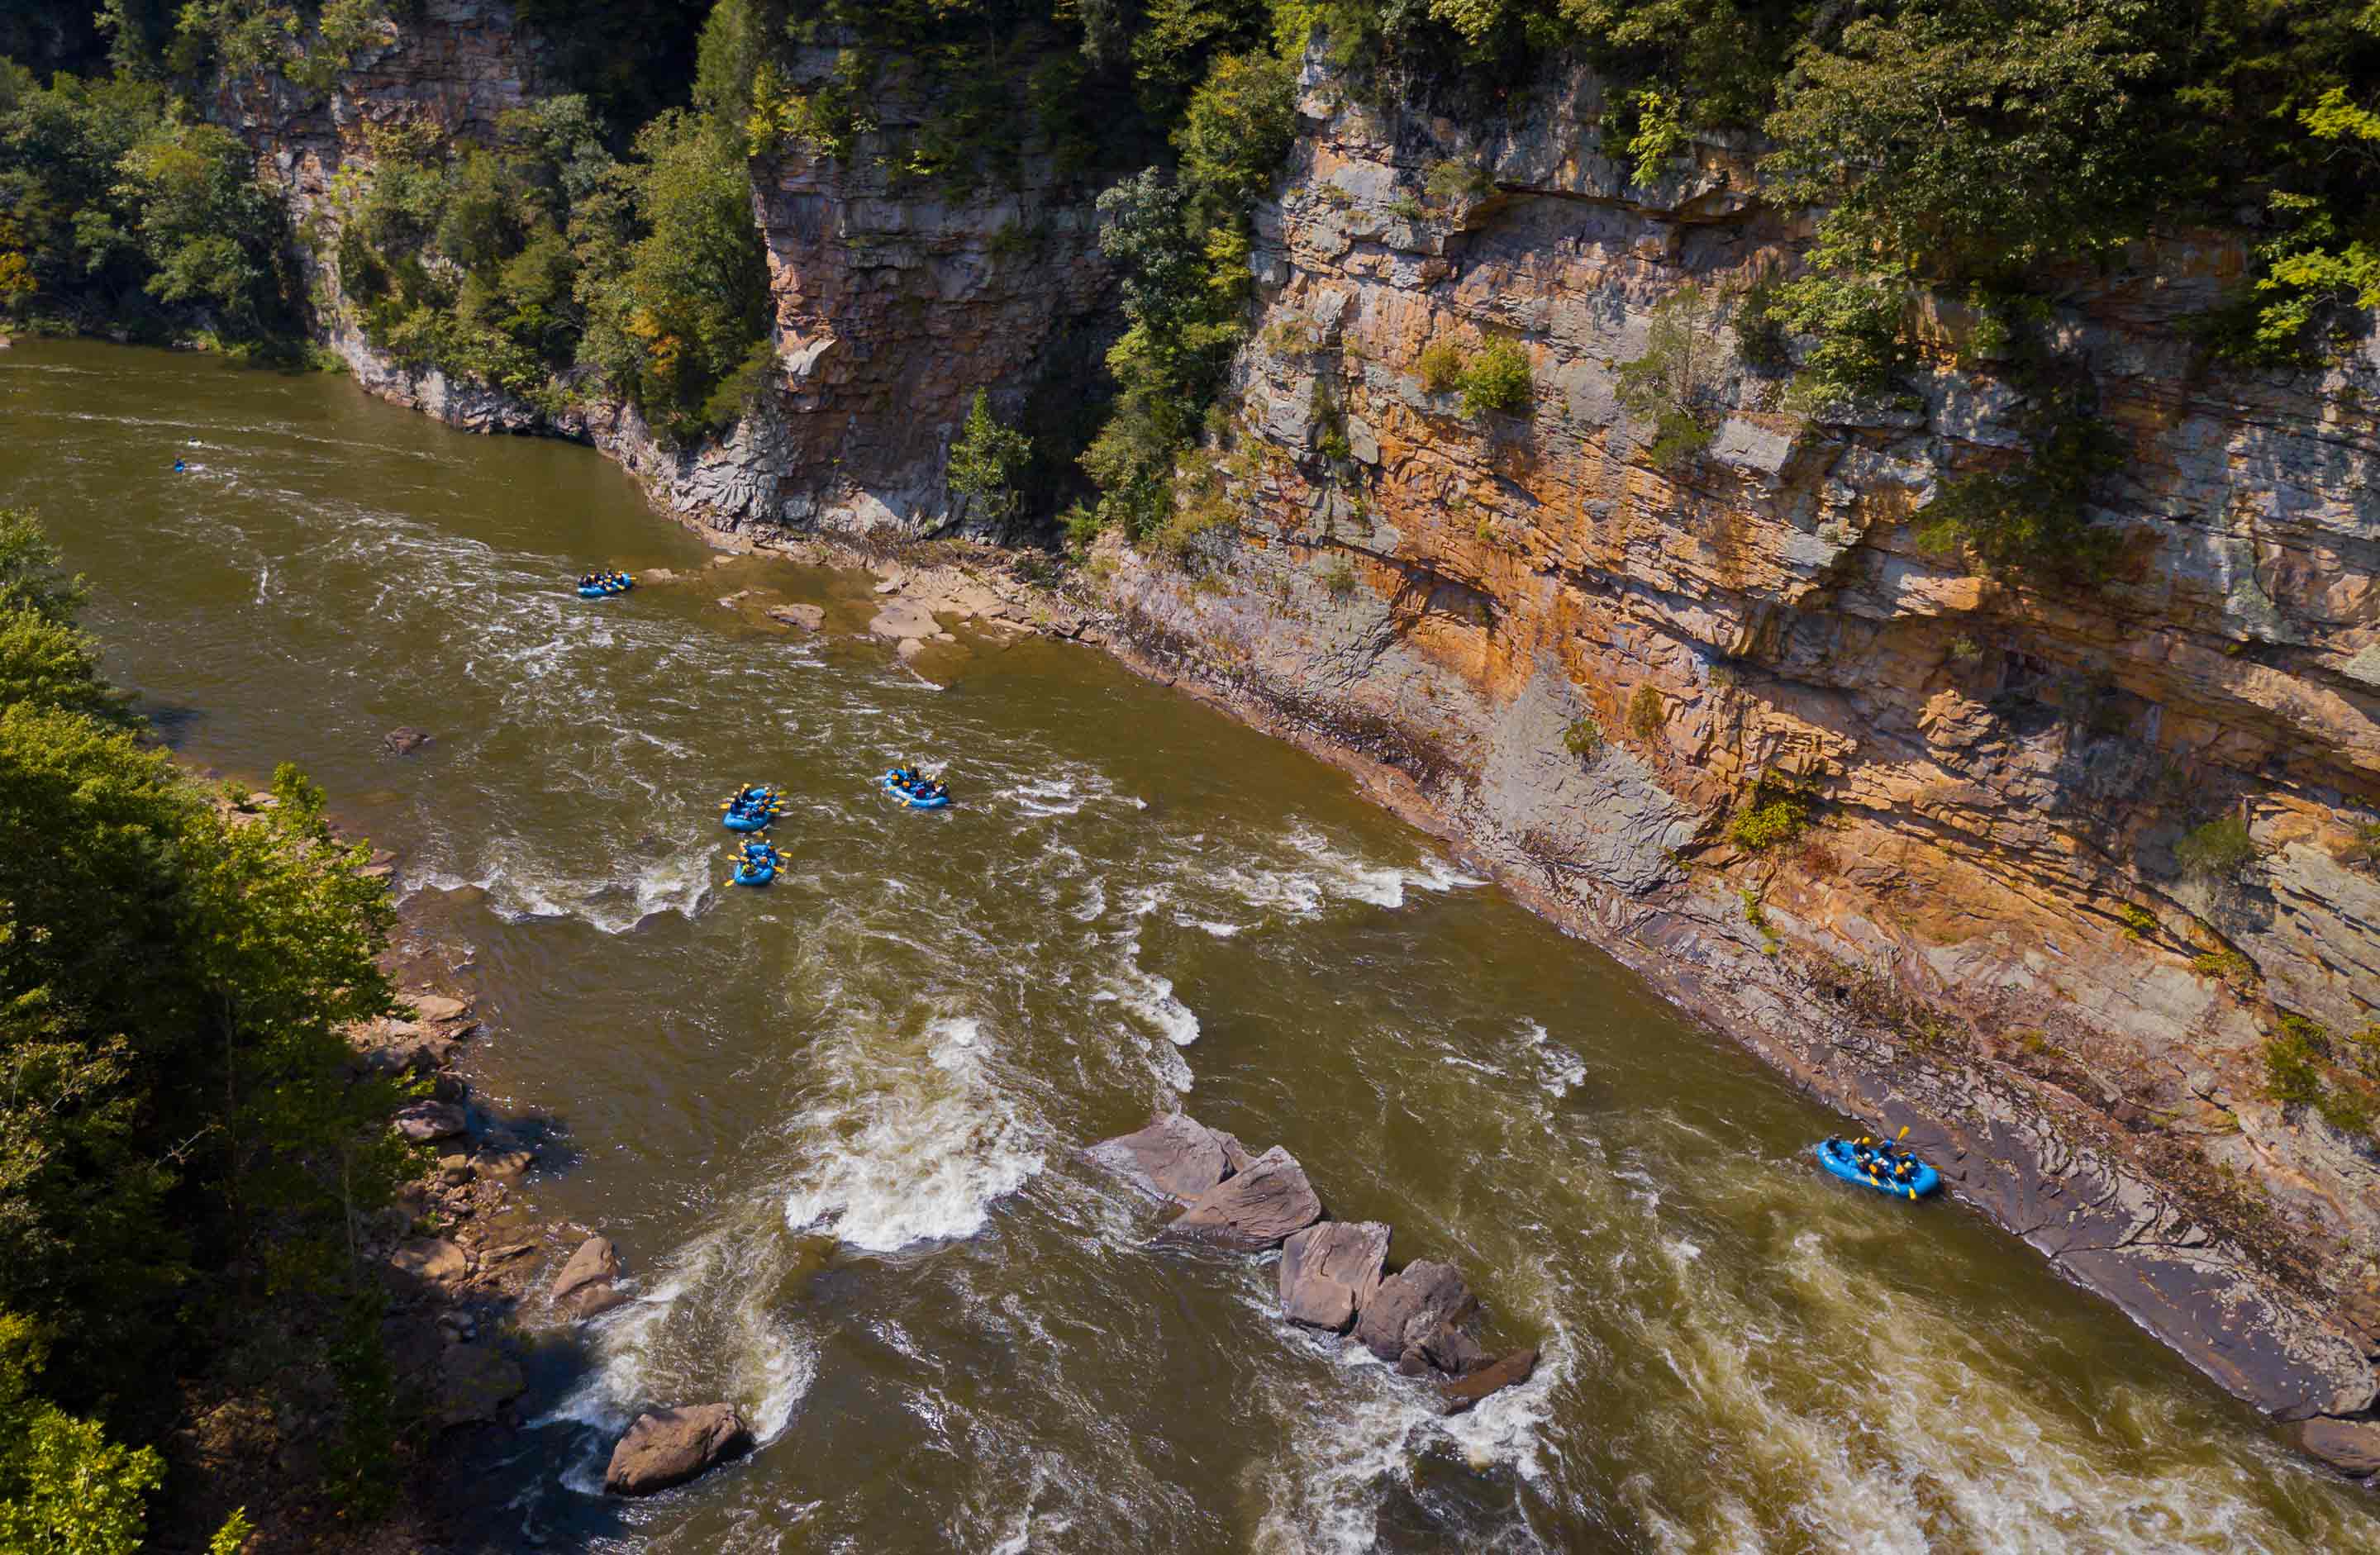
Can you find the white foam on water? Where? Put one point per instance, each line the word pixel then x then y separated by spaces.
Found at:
pixel 1040 797
pixel 916 1148
pixel 702 1330
pixel 519 887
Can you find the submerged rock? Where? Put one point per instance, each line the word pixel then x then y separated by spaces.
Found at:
pixel 807 617
pixel 1329 1271
pixel 1411 1306
pixel 404 740
pixel 1463 1393
pixel 1258 1207
pixel 1176 1157
pixel 668 1447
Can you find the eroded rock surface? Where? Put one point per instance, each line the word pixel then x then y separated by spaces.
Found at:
pixel 1260 1206
pixel 1413 1306
pixel 1330 1271
pixel 1175 1157
pixel 667 1447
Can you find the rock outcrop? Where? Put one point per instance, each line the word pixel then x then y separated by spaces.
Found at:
pixel 667 1447
pixel 1330 1271
pixel 1175 1158
pixel 586 1283
pixel 1260 1206
pixel 1330 1275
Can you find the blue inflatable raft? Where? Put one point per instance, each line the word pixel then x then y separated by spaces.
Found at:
pixel 758 865
pixel 1840 1157
pixel 908 794
pixel 753 814
pixel 617 583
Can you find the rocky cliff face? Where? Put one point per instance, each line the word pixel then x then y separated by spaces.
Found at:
pixel 1986 937
pixel 892 304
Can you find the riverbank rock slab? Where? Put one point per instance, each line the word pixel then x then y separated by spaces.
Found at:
pixel 1259 1208
pixel 1176 1157
pixel 423 1121
pixel 1329 1271
pixel 1463 1394
pixel 432 1258
pixel 668 1447
pixel 805 618
pixel 1411 1306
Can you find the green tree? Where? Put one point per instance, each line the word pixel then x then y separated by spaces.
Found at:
pixel 986 463
pixel 1675 385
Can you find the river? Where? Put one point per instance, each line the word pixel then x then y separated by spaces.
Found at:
pixel 832 1124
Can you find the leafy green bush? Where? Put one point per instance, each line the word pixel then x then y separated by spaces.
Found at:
pixel 1647 713
pixel 2138 922
pixel 2035 519
pixel 1449 182
pixel 1773 817
pixel 1339 580
pixel 2216 851
pixel 1440 365
pixel 1582 738
pixel 178 1135
pixel 2227 967
pixel 1497 381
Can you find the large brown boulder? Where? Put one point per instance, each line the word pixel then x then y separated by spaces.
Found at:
pixel 1175 1157
pixel 1262 1207
pixel 1447 1348
pixel 2351 1446
pixel 668 1447
pixel 1411 1306
pixel 1466 1393
pixel 584 1286
pixel 1329 1271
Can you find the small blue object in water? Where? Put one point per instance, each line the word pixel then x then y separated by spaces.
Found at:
pixel 751 811
pixel 179 466
pixel 758 865
pixel 1842 1158
pixel 911 791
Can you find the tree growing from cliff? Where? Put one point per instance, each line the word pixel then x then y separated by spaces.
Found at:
pixel 1497 381
pixel 1675 385
pixel 986 463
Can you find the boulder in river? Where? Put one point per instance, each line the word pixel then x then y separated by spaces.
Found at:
pixel 805 618
pixel 1462 1393
pixel 585 1284
pixel 1411 1306
pixel 1329 1271
pixel 1261 1207
pixel 2351 1446
pixel 1175 1157
pixel 1448 1349
pixel 404 740
pixel 668 1447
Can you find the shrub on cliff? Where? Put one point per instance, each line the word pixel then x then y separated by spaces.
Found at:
pixel 2032 520
pixel 1774 817
pixel 986 463
pixel 1498 382
pixel 2217 850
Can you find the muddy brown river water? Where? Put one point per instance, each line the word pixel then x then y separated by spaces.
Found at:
pixel 831 1123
